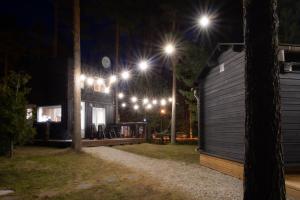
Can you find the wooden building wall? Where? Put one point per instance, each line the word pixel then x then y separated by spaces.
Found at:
pixel 100 100
pixel 222 110
pixel 223 113
pixel 52 87
pixel 290 113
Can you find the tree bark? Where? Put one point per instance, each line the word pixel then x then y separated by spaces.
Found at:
pixel 173 116
pixel 76 129
pixel 174 88
pixel 263 172
pixel 190 124
pixel 117 117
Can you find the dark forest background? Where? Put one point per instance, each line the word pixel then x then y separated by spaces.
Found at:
pixel 34 33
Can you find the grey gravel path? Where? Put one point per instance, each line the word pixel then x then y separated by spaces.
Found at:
pixel 199 182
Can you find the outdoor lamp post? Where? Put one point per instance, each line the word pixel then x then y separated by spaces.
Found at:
pixel 169 50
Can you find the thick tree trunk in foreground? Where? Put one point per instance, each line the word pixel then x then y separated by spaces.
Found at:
pixel 263 174
pixel 76 129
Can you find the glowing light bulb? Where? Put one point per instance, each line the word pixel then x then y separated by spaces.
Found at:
pixel 204 21
pixel 149 106
pixel 90 81
pixel 169 49
pixel 163 102
pixel 100 81
pixel 125 75
pixel 136 107
pixel 154 102
pixel 82 77
pixel 121 95
pixel 170 99
pixel 133 99
pixel 123 105
pixel 145 100
pixel 143 65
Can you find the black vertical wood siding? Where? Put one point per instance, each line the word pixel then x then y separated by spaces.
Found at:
pixel 290 113
pixel 223 107
pixel 222 110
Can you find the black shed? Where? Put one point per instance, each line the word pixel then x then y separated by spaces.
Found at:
pixel 222 103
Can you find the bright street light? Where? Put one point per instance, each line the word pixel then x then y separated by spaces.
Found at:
pixel 123 105
pixel 136 107
pixel 143 65
pixel 125 75
pixel 133 99
pixel 204 21
pixel 169 49
pixel 121 95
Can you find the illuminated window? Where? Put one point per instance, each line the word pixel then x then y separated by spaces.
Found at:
pixel 49 113
pixel 98 116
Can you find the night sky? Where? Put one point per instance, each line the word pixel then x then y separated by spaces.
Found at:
pixel 33 20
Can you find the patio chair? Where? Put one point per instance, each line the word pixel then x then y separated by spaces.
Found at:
pixel 100 133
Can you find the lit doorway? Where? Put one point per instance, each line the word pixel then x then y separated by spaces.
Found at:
pixel 98 117
pixel 82 119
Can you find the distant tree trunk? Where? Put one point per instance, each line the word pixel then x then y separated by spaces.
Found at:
pixel 173 116
pixel 263 173
pixel 76 129
pixel 55 28
pixel 174 88
pixel 116 70
pixel 190 124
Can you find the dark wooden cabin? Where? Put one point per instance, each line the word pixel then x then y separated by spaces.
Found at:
pixel 222 105
pixel 50 97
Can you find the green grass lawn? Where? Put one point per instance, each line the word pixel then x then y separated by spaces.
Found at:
pixel 185 153
pixel 49 173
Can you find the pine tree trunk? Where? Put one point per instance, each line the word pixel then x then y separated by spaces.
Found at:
pixel 116 70
pixel 174 88
pixel 173 116
pixel 263 173
pixel 190 124
pixel 76 129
